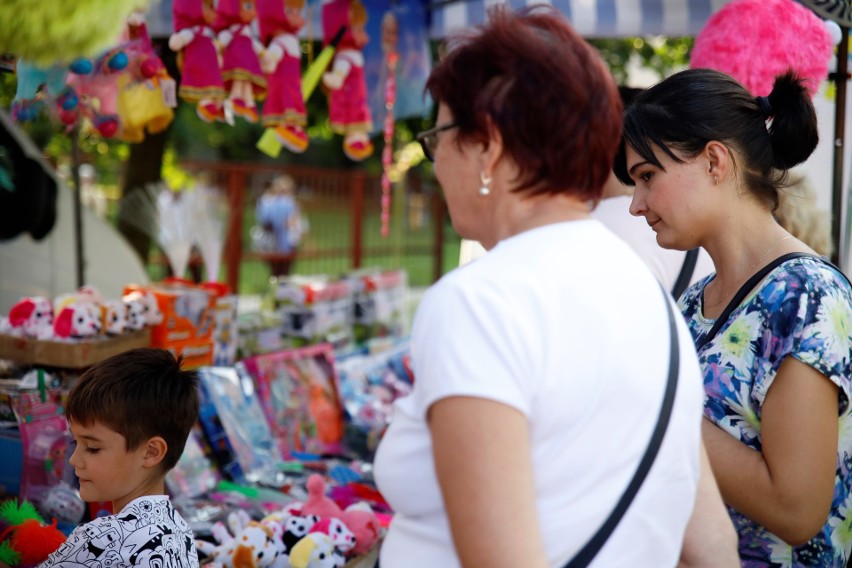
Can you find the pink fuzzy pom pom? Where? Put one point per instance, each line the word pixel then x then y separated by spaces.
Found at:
pixel 754 41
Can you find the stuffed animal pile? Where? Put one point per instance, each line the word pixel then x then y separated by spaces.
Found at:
pixel 313 534
pixel 84 314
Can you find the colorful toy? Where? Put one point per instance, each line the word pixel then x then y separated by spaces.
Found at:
pixel 113 317
pixel 201 76
pixel 31 317
pixel 316 550
pixel 241 72
pixel 146 92
pixel 284 110
pixel 27 541
pixel 249 544
pixel 360 520
pixel 754 41
pixel 63 503
pixel 76 321
pixel 92 92
pixel 347 100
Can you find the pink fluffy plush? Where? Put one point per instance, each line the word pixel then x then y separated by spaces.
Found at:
pixel 756 40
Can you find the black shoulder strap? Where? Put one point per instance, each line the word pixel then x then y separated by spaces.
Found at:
pixel 749 286
pixel 588 552
pixel 686 272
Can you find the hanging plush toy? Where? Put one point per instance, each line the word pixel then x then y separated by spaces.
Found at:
pixel 92 92
pixel 754 41
pixel 146 92
pixel 347 100
pixel 26 541
pixel 201 76
pixel 284 110
pixel 244 81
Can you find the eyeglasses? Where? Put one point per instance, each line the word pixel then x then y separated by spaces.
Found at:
pixel 429 139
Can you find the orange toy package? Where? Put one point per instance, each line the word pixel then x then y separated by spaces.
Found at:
pixel 187 312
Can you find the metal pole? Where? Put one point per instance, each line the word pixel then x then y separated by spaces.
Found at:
pixel 78 206
pixel 841 77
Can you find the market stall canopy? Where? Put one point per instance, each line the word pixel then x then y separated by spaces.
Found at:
pixel 592 18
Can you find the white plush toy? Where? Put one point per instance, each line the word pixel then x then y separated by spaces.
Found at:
pixel 76 321
pixel 31 317
pixel 114 315
pixel 249 544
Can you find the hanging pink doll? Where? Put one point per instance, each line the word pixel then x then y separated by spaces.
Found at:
pixel 347 104
pixel 201 76
pixel 244 81
pixel 284 109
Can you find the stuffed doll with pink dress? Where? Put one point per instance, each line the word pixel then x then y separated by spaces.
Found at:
pixel 193 40
pixel 244 81
pixel 348 110
pixel 284 110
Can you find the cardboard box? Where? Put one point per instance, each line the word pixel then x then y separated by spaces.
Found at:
pixel 70 355
pixel 187 312
pixel 196 352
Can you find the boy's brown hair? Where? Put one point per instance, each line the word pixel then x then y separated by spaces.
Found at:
pixel 140 394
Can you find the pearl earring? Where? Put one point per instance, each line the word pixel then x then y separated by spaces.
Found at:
pixel 715 180
pixel 486 181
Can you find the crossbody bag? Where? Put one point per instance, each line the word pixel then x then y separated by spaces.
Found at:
pixel 593 546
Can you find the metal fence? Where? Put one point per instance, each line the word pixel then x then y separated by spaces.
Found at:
pixel 343 209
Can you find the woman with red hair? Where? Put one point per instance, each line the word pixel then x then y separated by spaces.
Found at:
pixel 540 368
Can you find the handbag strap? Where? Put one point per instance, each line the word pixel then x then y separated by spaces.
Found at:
pixel 749 286
pixel 686 272
pixel 588 552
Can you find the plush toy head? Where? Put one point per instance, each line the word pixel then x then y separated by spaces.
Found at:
pixel 76 321
pixel 114 317
pixel 31 316
pixel 150 307
pixel 295 528
pixel 317 503
pixel 316 550
pixel 135 314
pixel 341 537
pixel 361 520
pixel 754 41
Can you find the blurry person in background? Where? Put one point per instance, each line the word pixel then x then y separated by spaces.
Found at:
pixel 278 213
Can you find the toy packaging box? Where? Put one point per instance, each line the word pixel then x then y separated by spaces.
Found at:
pixel 315 309
pixel 187 312
pixel 299 395
pixel 379 304
pixel 235 427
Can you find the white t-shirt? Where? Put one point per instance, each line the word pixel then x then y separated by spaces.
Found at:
pixel 614 212
pixel 147 532
pixel 567 325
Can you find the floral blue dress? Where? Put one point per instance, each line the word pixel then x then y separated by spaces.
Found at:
pixel 803 308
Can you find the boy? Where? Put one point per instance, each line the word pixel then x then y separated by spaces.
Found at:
pixel 130 416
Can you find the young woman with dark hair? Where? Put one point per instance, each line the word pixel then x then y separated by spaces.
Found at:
pixel 707 160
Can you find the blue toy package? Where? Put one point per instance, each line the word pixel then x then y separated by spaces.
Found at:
pixel 235 427
pixel 369 385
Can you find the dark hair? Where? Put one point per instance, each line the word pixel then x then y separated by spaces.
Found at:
pixel 693 107
pixel 140 393
pixel 544 88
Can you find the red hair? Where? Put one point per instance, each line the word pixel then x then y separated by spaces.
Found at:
pixel 544 88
